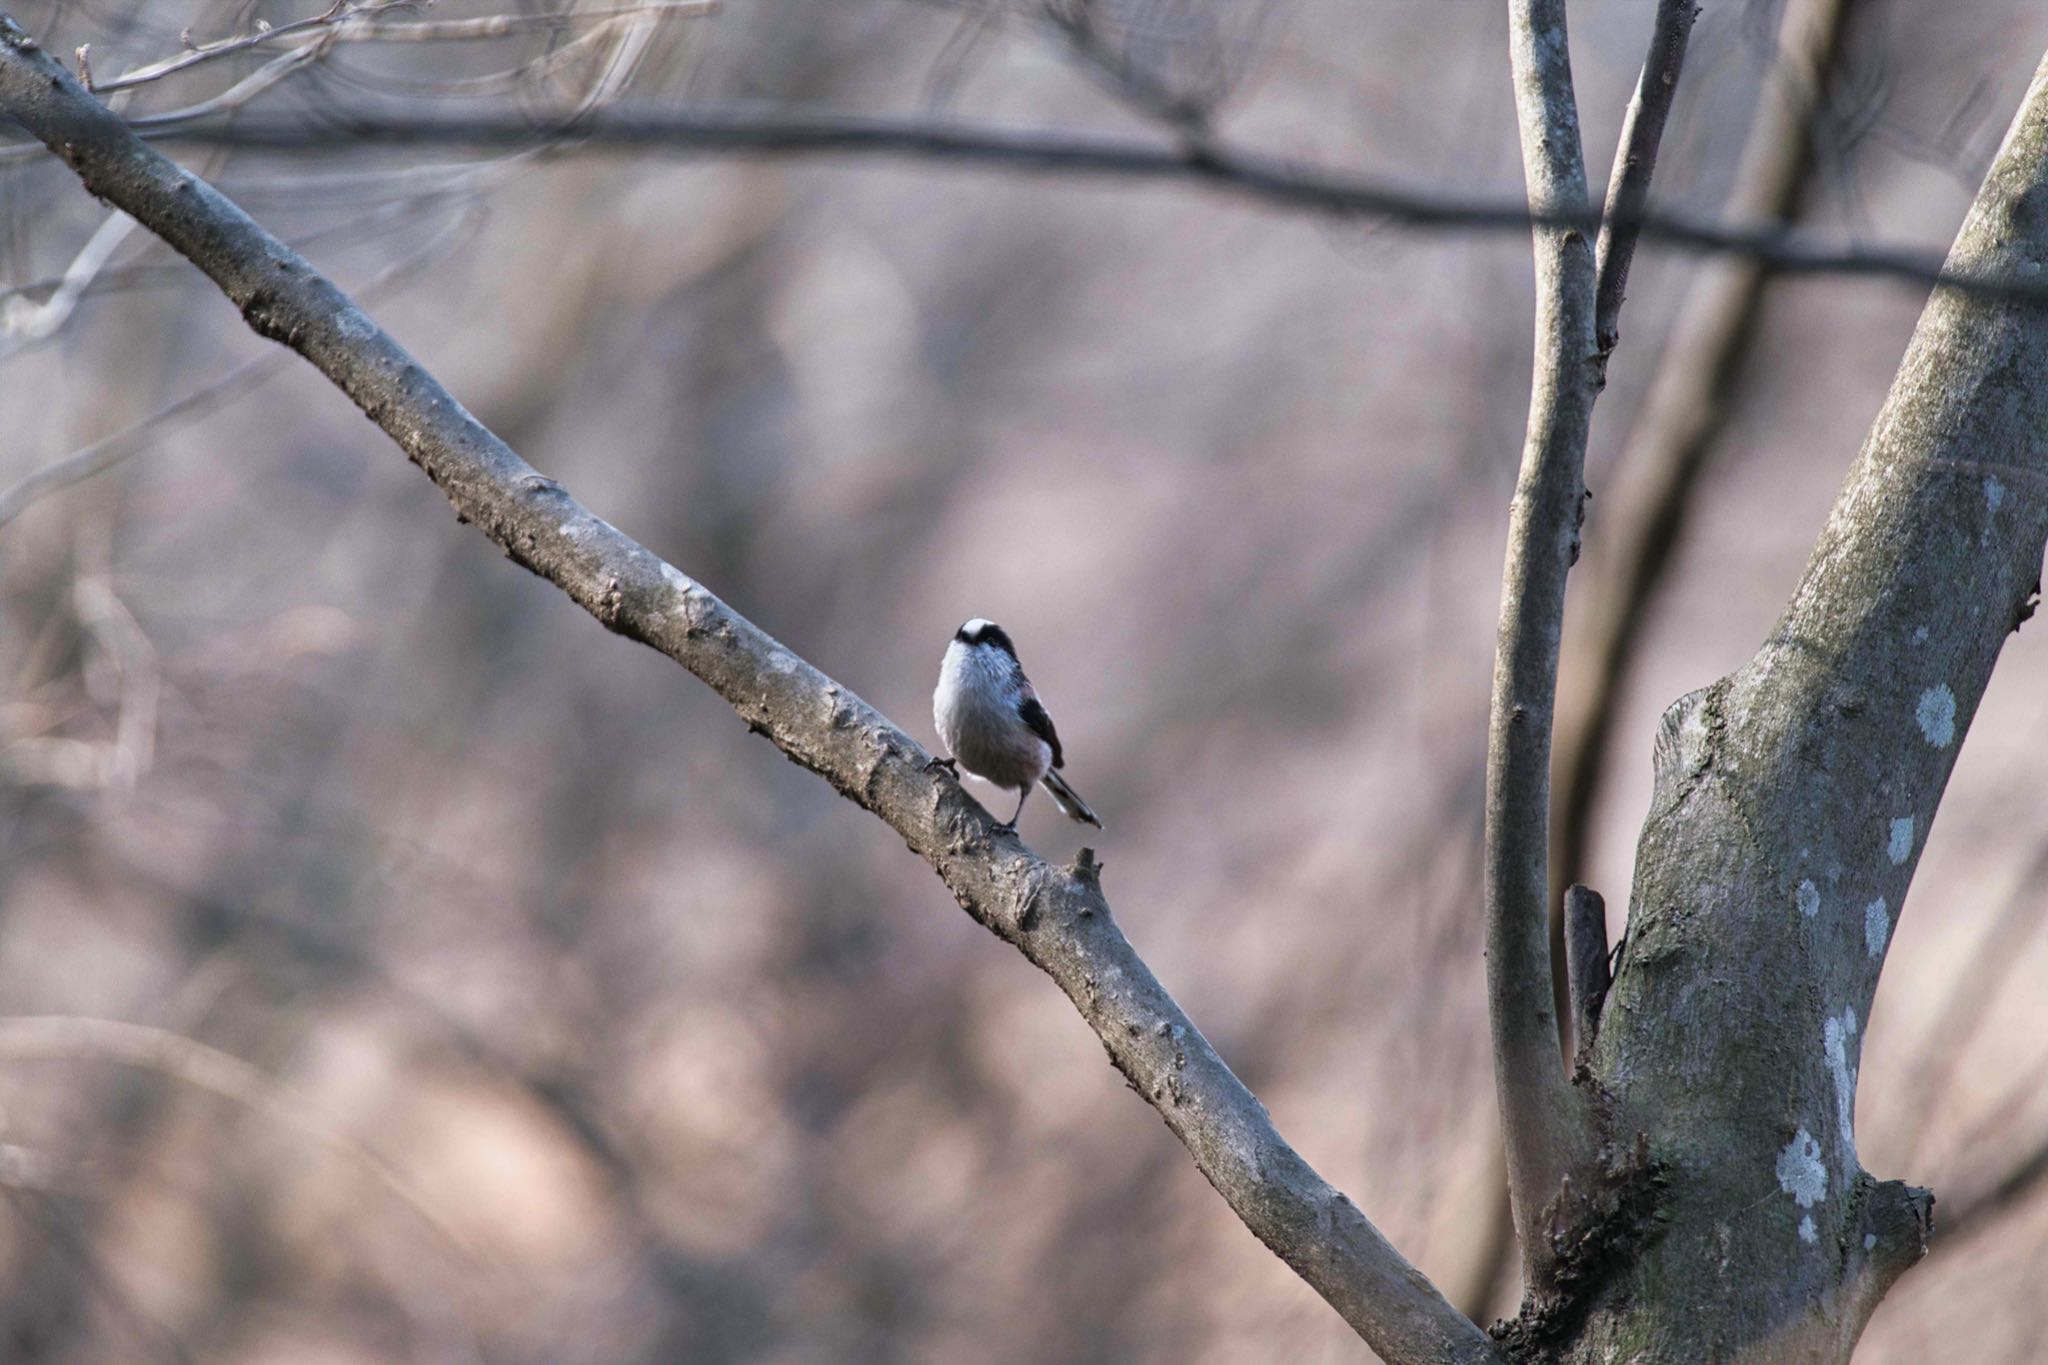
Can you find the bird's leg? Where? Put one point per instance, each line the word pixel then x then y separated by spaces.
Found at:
pixel 951 765
pixel 1010 827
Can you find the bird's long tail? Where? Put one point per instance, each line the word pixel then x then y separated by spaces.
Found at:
pixel 1069 801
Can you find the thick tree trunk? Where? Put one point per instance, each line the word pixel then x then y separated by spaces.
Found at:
pixel 1791 804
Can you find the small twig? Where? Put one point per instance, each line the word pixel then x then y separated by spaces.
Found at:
pixel 232 98
pixel 504 25
pixel 327 30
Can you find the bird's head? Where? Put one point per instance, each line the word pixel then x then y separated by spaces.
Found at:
pixel 985 632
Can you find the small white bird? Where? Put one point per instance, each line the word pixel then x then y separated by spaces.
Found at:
pixel 990 718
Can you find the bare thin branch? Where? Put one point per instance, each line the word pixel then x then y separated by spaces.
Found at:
pixel 1254 176
pixel 22 323
pixel 1540 1116
pixel 1056 916
pixel 325 21
pixel 242 91
pixel 1635 161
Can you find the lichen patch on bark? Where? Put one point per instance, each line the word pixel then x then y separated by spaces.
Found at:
pixel 1801 1172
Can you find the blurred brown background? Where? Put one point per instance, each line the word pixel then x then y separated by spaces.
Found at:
pixel 577 1026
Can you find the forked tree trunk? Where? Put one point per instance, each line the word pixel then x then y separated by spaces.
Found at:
pixel 1731 1219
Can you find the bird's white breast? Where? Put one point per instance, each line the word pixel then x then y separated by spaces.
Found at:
pixel 975 710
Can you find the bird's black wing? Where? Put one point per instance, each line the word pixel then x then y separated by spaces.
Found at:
pixel 1032 711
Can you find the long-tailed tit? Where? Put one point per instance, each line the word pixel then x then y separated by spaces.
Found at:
pixel 991 720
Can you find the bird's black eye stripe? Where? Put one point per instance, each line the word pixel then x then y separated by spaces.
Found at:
pixel 986 633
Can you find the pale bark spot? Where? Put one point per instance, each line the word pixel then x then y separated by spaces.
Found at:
pixel 1937 715
pixel 1900 847
pixel 1877 927
pixel 1801 1172
pixel 1835 1036
pixel 1809 899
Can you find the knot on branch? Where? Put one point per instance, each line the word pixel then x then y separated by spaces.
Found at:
pixel 1885 1236
pixel 610 603
pixel 1688 735
pixel 1086 870
pixel 1897 1220
pixel 267 317
pixel 1599 1223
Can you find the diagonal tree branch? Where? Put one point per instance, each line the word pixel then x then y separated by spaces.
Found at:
pixel 1635 161
pixel 1057 916
pixel 1542 1120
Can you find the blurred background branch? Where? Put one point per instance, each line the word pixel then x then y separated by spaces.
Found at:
pixel 1057 917
pixel 1252 175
